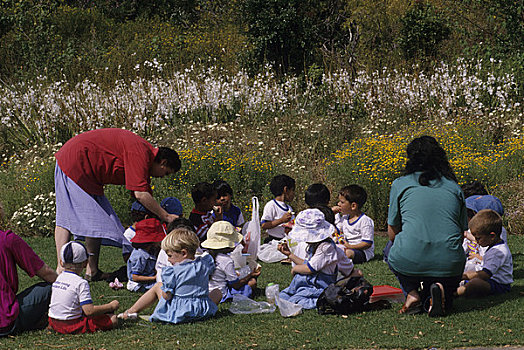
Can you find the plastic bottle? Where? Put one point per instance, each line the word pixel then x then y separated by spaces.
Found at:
pixel 272 290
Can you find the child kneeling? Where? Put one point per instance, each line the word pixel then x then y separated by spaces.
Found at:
pixel 71 309
pixel 183 294
pixel 496 274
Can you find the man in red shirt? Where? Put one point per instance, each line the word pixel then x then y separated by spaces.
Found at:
pixel 91 160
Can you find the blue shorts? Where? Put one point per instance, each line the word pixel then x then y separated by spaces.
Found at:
pixel 498 288
pixel 360 256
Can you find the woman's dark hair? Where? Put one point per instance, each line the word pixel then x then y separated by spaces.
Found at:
pixel 171 157
pixel 426 155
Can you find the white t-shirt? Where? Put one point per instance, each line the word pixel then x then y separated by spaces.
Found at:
pixel 275 210
pixel 68 294
pixel 345 264
pixel 325 259
pixel 361 230
pixel 224 273
pixel 129 233
pixel 482 250
pixel 498 261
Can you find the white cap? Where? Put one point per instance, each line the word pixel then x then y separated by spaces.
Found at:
pixel 73 253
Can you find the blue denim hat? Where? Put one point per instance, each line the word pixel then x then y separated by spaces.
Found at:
pixel 172 205
pixel 480 202
pixel 137 206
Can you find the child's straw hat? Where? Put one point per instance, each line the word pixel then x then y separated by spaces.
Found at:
pixel 311 227
pixel 149 231
pixel 222 235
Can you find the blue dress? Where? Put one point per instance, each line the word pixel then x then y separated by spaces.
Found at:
pixel 305 289
pixel 188 283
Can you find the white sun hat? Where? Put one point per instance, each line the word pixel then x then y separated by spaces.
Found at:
pixel 311 227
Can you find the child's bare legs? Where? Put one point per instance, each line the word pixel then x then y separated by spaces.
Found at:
pixel 146 300
pixel 216 296
pixel 476 287
pixel 350 253
pixel 114 320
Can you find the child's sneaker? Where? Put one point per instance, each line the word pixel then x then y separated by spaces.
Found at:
pixel 127 316
pixel 436 306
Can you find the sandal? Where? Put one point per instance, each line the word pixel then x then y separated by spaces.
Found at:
pixel 436 306
pixel 98 276
pixel 413 309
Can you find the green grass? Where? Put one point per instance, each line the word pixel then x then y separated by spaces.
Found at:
pixel 492 321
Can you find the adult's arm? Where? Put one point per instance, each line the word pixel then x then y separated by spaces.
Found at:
pixel 47 274
pixel 148 201
pixel 392 232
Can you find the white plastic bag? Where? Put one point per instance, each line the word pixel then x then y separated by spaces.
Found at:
pixel 243 305
pixel 269 253
pixel 272 291
pixel 287 308
pixel 251 233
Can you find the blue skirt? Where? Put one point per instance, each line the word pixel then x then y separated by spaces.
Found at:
pixel 85 215
pixel 305 289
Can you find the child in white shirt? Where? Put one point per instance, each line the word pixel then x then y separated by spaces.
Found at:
pixel 496 274
pixel 221 240
pixel 71 309
pixel 357 228
pixel 277 212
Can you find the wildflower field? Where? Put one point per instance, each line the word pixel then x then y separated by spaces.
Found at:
pixel 339 130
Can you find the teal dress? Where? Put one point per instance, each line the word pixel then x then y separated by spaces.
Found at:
pixel 188 283
pixel 432 220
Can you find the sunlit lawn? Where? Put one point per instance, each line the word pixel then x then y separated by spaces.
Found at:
pixel 481 322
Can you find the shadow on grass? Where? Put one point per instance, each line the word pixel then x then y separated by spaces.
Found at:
pixel 462 305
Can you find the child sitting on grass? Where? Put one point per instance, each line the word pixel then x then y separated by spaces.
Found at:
pixel 230 212
pixel 183 294
pixel 474 252
pixel 205 198
pixel 277 212
pixel 71 309
pixel 221 240
pixel 141 271
pixel 313 274
pixel 357 228
pixel 496 274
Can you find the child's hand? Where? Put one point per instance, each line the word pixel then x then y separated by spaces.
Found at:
pixel 114 305
pixel 286 217
pixel 255 273
pixel 218 212
pixel 336 209
pixel 284 249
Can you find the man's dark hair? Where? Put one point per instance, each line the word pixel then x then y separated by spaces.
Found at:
pixel 317 194
pixel 473 188
pixel 354 194
pixel 202 190
pixel 180 222
pixel 171 157
pixel 279 182
pixel 223 188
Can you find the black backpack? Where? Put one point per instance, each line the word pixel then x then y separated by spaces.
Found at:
pixel 347 295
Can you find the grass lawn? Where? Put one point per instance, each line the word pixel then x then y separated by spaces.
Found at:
pixel 491 321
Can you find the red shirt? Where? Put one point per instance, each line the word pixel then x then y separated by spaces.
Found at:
pixel 13 251
pixel 107 156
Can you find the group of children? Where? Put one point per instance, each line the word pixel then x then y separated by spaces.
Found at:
pixel 188 269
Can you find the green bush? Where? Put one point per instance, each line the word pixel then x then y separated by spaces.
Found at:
pixel 423 29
